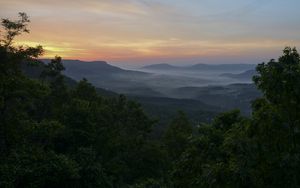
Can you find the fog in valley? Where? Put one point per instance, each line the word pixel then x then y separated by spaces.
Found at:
pixel 223 86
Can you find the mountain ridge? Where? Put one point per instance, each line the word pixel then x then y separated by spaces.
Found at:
pixel 246 75
pixel 199 66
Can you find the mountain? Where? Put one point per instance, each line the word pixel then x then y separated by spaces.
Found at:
pixel 164 109
pixel 103 75
pixel 162 66
pixel 247 75
pixel 201 67
pixel 78 68
pixel 142 91
pixel 82 68
pixel 129 82
pixel 222 67
pixel 201 104
pixel 35 71
pixel 225 97
pixel 162 86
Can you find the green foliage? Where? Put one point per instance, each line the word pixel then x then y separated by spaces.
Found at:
pixel 203 162
pixel 35 167
pixel 13 29
pixel 149 183
pixel 279 82
pixel 262 151
pixel 53 135
pixel 176 136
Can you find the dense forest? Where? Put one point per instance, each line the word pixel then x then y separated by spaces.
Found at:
pixel 56 135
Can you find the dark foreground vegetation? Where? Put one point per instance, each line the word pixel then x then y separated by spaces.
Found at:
pixel 54 135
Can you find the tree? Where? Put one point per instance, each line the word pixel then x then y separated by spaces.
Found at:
pixel 204 162
pixel 85 91
pixel 13 29
pixel 15 89
pixel 27 153
pixel 177 134
pixel 279 81
pixel 262 151
pixel 53 135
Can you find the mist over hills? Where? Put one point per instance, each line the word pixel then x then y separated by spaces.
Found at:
pixel 72 123
pixel 163 88
pixel 110 77
pixel 222 67
pixel 211 88
pixel 200 95
pixel 233 96
pixel 200 67
pixel 79 69
pixel 156 104
pixel 161 66
pixel 247 75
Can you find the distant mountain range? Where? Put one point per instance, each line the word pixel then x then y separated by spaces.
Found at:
pixel 225 97
pixel 247 75
pixel 133 82
pixel 80 69
pixel 103 75
pixel 201 67
pixel 161 66
pixel 155 104
pixel 162 94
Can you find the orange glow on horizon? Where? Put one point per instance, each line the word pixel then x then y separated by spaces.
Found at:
pixel 130 30
pixel 149 49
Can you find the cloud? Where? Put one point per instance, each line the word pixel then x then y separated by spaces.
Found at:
pixel 137 29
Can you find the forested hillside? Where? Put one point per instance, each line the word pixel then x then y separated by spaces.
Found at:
pixel 56 135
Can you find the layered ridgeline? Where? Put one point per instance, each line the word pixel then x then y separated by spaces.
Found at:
pixel 201 67
pixel 232 90
pixel 247 75
pixel 57 132
pixel 200 103
pixel 156 105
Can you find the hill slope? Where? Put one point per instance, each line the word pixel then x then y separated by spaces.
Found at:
pixel 225 97
pixel 162 66
pixel 247 75
pixel 201 67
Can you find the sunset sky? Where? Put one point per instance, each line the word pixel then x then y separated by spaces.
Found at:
pixel 160 31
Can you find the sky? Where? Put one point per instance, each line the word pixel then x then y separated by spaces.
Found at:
pixel 160 31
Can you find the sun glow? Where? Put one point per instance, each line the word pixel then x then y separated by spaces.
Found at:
pixel 132 30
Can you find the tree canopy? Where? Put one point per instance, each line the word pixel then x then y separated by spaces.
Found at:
pixel 54 135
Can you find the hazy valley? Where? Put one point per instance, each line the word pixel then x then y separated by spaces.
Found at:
pixel 199 90
pixel 149 117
